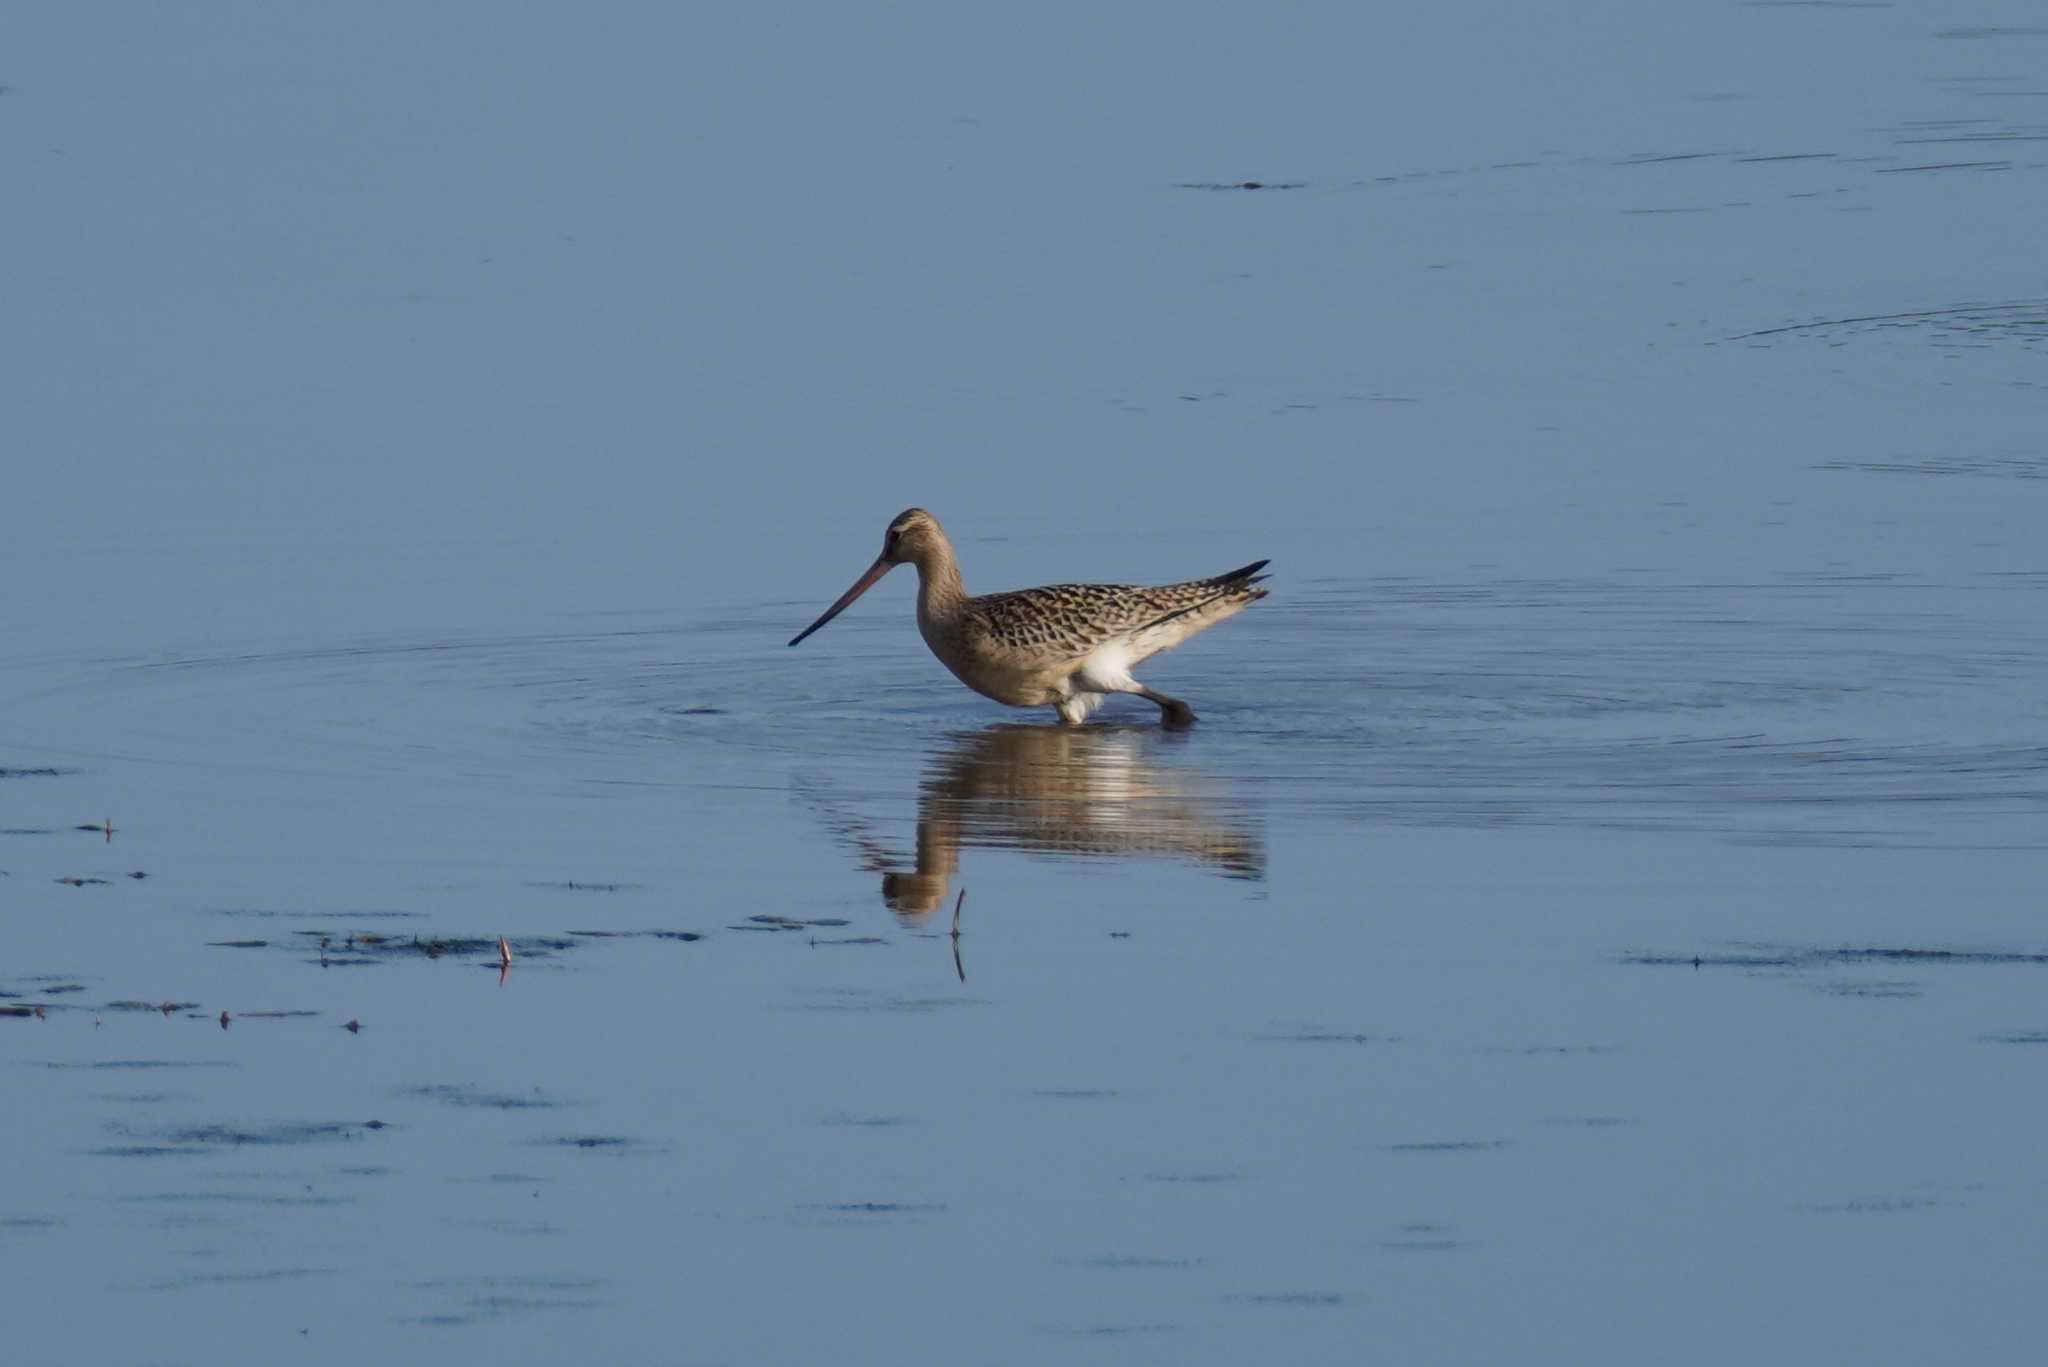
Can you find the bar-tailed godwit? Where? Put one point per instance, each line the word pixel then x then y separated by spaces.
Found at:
pixel 1065 645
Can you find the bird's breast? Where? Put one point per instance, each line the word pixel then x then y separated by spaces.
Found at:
pixel 989 670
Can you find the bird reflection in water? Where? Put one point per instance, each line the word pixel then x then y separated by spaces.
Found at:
pixel 1055 790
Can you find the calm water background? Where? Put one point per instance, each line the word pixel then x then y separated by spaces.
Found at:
pixel 1598 919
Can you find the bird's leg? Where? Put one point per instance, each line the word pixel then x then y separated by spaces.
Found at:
pixel 1173 713
pixel 1074 709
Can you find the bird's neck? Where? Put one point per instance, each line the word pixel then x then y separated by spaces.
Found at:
pixel 939 590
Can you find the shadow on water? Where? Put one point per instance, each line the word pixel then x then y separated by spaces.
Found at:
pixel 1089 791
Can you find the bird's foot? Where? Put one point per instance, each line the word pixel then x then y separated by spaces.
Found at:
pixel 1176 716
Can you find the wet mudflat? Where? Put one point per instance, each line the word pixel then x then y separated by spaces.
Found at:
pixel 1597 916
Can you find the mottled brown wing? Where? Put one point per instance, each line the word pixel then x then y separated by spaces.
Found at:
pixel 1075 619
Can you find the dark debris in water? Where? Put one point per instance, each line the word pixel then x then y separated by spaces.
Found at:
pixel 1422 1236
pixel 774 922
pixel 1882 988
pixel 2005 465
pixel 1877 1205
pixel 867 1122
pixel 140 1064
pixel 1593 1122
pixel 855 1003
pixel 181 1140
pixel 1993 31
pixel 2022 321
pixel 359 949
pixel 1423 1245
pixel 1240 185
pixel 1108 1331
pixel 229 1198
pixel 475 1097
pixel 1322 1037
pixel 497 1297
pixel 257 1277
pixel 682 935
pixel 39 771
pixel 594 1143
pixel 1813 956
pixel 274 914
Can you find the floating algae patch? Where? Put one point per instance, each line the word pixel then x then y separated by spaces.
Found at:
pixel 361 948
pixel 2018 322
pixel 28 1222
pixel 595 1143
pixel 281 914
pixel 1751 955
pixel 141 1064
pixel 866 1122
pixel 680 935
pixel 478 1099
pixel 1880 988
pixel 488 1298
pixel 1107 1331
pixel 846 1210
pixel 1421 1236
pixel 256 1278
pixel 1799 960
pixel 229 1198
pixel 178 1140
pixel 772 922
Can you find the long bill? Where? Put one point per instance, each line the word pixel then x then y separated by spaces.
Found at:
pixel 861 585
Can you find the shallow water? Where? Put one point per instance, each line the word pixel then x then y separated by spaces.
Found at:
pixel 1599 907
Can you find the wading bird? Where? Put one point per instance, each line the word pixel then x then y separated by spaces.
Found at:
pixel 1065 645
